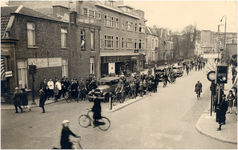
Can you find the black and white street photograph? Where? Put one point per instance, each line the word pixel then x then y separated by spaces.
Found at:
pixel 118 74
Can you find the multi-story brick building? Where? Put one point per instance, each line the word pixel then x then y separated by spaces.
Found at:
pixel 58 48
pixel 122 34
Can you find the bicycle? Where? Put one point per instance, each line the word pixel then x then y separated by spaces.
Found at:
pixel 69 97
pixel 85 121
pixel 117 97
pixel 76 144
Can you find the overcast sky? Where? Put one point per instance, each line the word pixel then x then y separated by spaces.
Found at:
pixel 175 15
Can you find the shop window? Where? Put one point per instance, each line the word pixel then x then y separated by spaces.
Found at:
pixel 22 73
pixel 30 34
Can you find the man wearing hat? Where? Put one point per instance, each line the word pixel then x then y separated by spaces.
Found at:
pixel 17 97
pixel 66 132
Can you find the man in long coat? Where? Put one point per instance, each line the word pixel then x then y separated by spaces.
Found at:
pixel 17 97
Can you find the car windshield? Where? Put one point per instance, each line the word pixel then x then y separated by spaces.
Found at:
pixel 104 83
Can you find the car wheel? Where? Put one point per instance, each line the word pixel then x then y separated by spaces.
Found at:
pixel 106 99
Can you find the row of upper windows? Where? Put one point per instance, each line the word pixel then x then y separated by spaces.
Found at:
pixel 125 25
pixel 91 13
pixel 31 37
pixel 127 43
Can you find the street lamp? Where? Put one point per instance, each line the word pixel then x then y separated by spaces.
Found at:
pixel 224 32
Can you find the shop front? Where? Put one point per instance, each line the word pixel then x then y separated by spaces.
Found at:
pixel 118 64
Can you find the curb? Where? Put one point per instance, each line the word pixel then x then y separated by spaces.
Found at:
pixel 209 135
pixel 32 106
pixel 131 101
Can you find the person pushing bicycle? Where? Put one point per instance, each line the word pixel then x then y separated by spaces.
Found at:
pixel 65 133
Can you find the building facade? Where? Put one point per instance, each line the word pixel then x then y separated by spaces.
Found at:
pixel 122 34
pixel 152 45
pixel 52 44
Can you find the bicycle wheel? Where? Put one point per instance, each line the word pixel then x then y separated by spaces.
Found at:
pixel 69 99
pixel 104 124
pixel 114 101
pixel 84 121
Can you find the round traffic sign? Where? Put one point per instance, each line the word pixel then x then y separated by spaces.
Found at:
pixel 211 76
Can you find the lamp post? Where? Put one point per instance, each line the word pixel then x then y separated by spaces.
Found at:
pixel 224 32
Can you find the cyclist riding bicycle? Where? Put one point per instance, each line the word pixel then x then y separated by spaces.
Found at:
pixel 65 133
pixel 96 109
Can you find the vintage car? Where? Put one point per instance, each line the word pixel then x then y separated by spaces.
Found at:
pixel 178 70
pixel 105 86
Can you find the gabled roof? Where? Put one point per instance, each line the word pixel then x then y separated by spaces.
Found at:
pixel 151 31
pixel 6 13
pixel 24 11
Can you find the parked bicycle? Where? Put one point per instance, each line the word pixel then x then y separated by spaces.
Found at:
pixel 70 96
pixel 116 98
pixel 85 121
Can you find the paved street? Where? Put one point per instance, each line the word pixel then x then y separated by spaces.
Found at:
pixel 165 120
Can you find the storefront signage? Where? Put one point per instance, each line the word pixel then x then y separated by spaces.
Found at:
pixel 8 74
pixel 45 62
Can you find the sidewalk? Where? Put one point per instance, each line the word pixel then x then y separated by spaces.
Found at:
pixel 11 106
pixel 207 124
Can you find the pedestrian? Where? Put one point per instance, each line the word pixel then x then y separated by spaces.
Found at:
pixel 198 89
pixel 59 86
pixel 56 92
pixel 141 89
pixel 230 98
pixel 150 87
pixel 63 86
pixel 51 88
pixel 17 97
pixel 65 133
pixel 42 99
pixel 235 103
pixel 221 108
pixel 133 90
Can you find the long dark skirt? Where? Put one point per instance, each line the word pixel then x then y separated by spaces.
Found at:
pixel 220 117
pixel 42 101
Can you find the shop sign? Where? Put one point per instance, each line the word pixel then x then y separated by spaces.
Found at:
pixel 45 62
pixel 8 74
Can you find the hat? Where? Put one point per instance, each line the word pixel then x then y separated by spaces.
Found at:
pixel 65 121
pixel 16 88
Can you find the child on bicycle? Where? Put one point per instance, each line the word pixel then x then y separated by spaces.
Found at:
pixel 65 133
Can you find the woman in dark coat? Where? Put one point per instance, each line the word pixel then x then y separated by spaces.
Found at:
pixel 42 99
pixel 96 109
pixel 17 97
pixel 221 109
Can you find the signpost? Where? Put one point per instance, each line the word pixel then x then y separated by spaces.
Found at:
pixel 211 76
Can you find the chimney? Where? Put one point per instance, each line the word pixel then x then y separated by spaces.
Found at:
pixel 61 10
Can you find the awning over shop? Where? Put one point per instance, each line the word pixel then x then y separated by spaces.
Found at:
pixel 3 69
pixel 119 54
